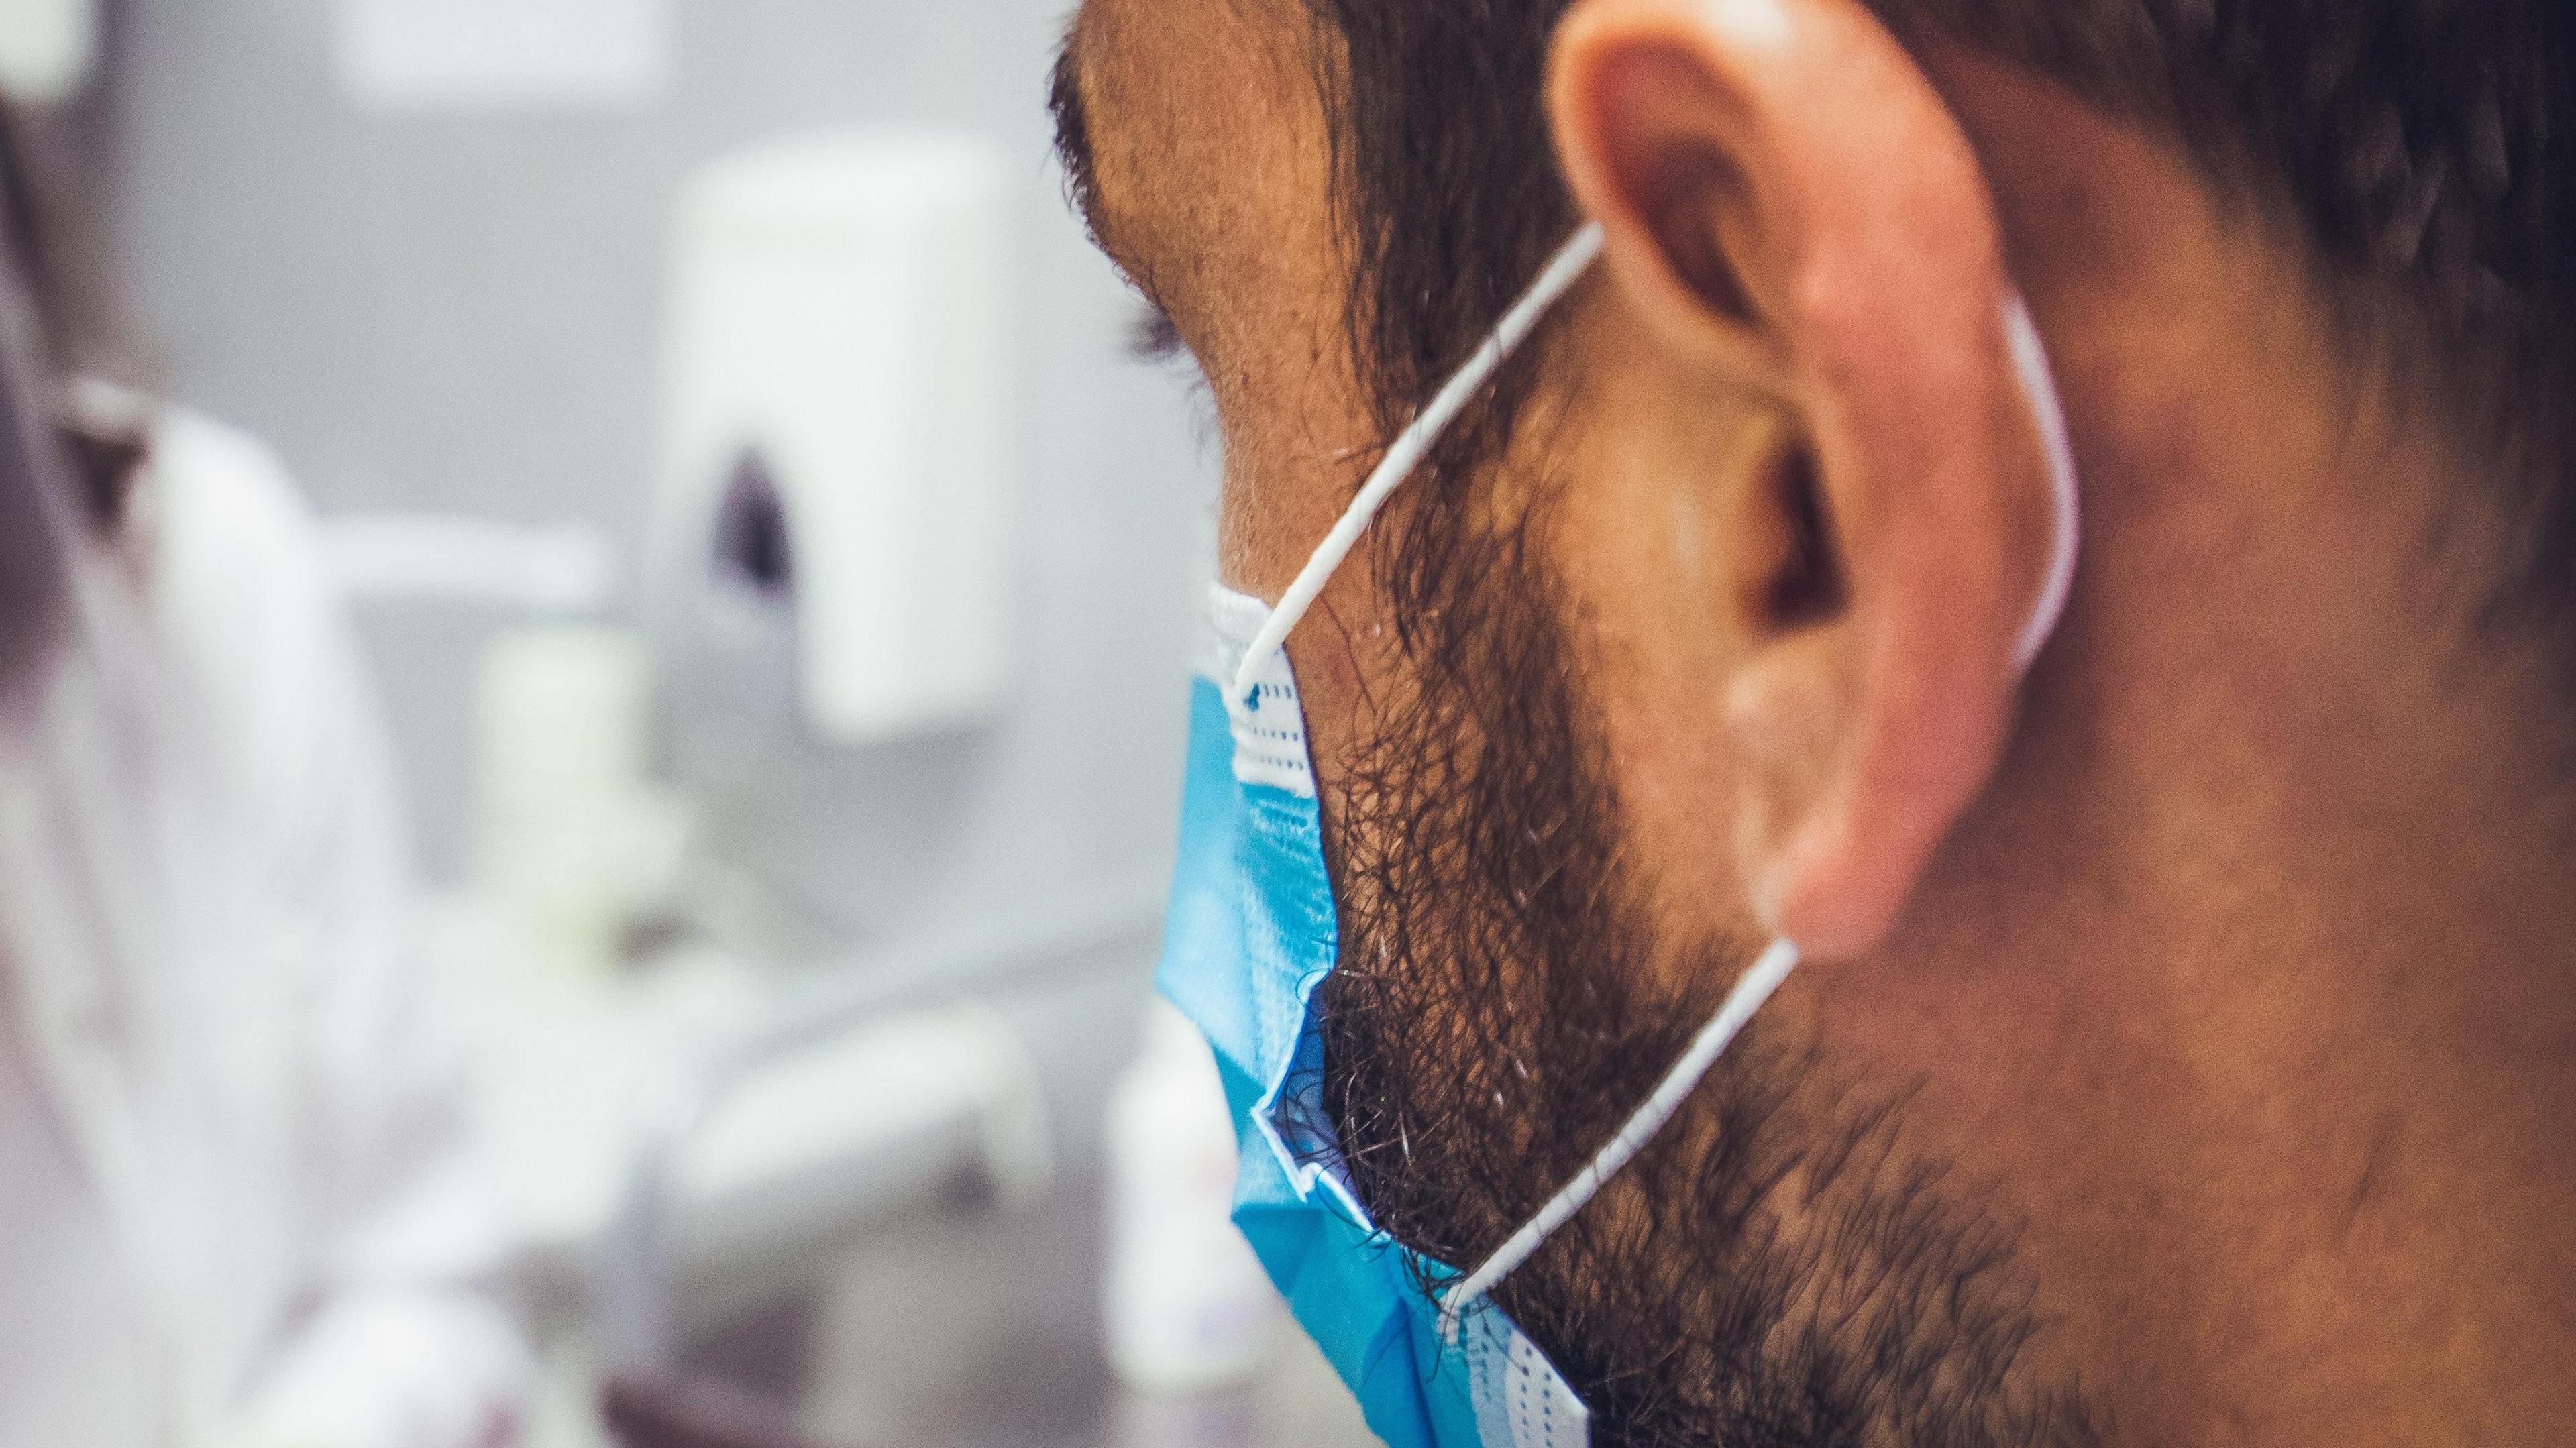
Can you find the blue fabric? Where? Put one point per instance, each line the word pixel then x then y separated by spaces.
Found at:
pixel 1251 933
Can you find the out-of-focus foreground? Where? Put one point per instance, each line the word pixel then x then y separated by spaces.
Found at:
pixel 780 583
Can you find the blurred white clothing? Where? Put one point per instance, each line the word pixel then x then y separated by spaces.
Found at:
pixel 236 1209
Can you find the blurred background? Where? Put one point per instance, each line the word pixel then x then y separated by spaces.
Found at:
pixel 782 587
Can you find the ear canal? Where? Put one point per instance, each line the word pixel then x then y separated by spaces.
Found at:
pixel 1805 586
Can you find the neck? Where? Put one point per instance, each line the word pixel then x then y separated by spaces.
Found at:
pixel 2308 856
pixel 2337 946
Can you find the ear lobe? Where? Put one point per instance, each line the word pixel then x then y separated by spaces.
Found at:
pixel 1791 210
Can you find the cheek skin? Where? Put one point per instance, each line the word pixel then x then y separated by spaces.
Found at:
pixel 1647 563
pixel 1284 492
pixel 1298 442
pixel 1229 229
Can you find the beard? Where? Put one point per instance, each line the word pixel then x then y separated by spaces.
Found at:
pixel 1776 1268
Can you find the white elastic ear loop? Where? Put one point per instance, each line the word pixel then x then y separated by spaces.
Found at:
pixel 1416 442
pixel 1768 974
pixel 1751 994
pixel 1776 964
pixel 1759 984
pixel 2048 413
pixel 2030 363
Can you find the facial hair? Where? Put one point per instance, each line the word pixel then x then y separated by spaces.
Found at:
pixel 1776 1268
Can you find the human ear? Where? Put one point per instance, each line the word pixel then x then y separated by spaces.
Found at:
pixel 1792 213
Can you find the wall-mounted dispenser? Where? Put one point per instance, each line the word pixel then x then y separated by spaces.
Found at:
pixel 839 419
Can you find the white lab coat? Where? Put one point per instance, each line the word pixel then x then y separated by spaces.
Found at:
pixel 236 1209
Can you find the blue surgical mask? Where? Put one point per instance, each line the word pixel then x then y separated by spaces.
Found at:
pixel 1253 933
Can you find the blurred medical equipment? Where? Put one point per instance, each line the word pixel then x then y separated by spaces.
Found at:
pixel 574 840
pixel 848 1098
pixel 830 552
pixel 1185 1306
pixel 47 48
pixel 231 1150
pixel 838 449
pixel 566 570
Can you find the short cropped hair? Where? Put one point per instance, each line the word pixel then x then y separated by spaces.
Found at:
pixel 2423 151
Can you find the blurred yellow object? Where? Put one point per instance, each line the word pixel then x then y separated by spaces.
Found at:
pixel 573 838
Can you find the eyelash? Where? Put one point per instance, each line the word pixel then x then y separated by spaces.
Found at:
pixel 1151 337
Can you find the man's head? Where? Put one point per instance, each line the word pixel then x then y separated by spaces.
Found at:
pixel 2186 1049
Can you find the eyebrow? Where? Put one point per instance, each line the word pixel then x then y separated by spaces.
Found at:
pixel 1155 337
pixel 1073 129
